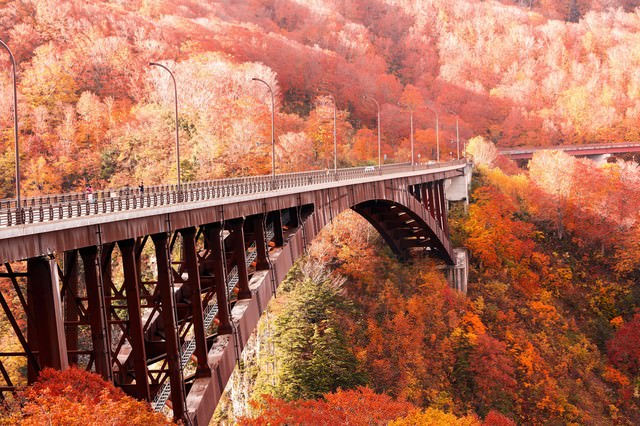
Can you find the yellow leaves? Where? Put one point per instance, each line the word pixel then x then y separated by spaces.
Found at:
pixel 435 417
pixel 48 81
pixel 470 328
pixel 473 323
pixel 482 151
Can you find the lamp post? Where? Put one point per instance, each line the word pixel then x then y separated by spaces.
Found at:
pixel 335 138
pixel 273 120
pixel 457 138
pixel 175 98
pixel 411 135
pixel 457 134
pixel 379 156
pixel 437 134
pixel 15 131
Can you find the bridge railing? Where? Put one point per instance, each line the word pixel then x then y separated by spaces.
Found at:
pixel 53 207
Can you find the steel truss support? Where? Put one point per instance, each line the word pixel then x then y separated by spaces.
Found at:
pixel 98 315
pixel 193 292
pixel 71 311
pixel 444 223
pixel 170 324
pixel 278 236
pixel 32 362
pixel 239 254
pixel 213 235
pixel 134 326
pixel 257 225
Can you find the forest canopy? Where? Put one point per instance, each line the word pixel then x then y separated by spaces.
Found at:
pixel 91 109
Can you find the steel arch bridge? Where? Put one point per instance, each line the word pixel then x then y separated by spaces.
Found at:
pixel 74 264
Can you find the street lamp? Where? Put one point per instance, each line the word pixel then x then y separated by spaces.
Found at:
pixel 378 107
pixel 273 120
pixel 15 132
pixel 437 134
pixel 411 135
pixel 457 134
pixel 335 138
pixel 175 98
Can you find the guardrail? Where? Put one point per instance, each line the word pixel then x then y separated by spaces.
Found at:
pixel 63 206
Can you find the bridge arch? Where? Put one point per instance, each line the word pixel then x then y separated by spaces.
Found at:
pixel 405 231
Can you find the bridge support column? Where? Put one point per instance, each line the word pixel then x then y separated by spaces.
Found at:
pixel 98 315
pixel 237 236
pixel 442 207
pixel 429 199
pixel 170 324
pixel 43 295
pixel 71 312
pixel 458 274
pixel 214 240
pixel 278 236
pixel 293 216
pixel 195 295
pixel 136 334
pixel 262 262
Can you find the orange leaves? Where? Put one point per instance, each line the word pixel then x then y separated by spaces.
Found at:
pixel 495 237
pixel 76 397
pixel 589 201
pixel 411 97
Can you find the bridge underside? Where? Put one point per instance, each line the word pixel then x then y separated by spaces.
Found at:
pixel 405 232
pixel 164 306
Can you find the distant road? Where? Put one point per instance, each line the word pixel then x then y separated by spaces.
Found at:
pixel 525 153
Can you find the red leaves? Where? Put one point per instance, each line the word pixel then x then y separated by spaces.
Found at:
pixel 356 407
pixel 624 348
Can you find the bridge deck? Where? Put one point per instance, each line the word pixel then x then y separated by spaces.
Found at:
pixel 522 153
pixel 63 222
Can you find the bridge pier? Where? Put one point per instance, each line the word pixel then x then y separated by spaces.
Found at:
pixel 458 274
pixel 45 306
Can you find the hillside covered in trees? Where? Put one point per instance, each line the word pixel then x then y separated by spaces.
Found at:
pixel 548 334
pixel 92 109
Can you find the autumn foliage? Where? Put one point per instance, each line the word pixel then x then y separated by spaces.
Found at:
pixel 548 331
pixel 514 72
pixel 76 397
pixel 360 406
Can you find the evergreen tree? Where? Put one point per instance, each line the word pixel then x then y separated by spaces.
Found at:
pixel 313 357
